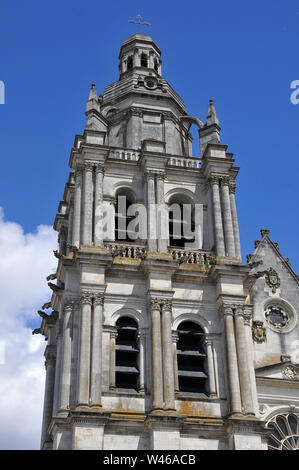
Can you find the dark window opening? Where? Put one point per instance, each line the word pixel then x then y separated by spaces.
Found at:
pixel 130 63
pixel 180 228
pixel 126 355
pixel 192 360
pixel 156 66
pixel 122 220
pixel 143 60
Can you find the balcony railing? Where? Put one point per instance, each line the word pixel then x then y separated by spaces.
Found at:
pixel 126 250
pixel 191 256
pixel 121 154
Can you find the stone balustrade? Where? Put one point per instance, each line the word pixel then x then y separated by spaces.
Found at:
pixel 184 162
pixel 121 154
pixel 191 257
pixel 125 250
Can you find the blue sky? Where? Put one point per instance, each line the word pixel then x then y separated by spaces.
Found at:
pixel 244 55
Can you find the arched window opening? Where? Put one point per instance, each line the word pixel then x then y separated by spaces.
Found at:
pixel 126 355
pixel 283 432
pixel 130 63
pixel 181 221
pixel 124 199
pixel 193 379
pixel 143 60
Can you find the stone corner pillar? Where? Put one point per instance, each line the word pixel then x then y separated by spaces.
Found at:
pixel 232 188
pixel 217 215
pixel 157 376
pixel 96 351
pixel 84 353
pixel 227 218
pixel 232 361
pixel 168 375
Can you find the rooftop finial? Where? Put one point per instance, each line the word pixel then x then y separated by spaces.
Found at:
pixel 139 22
pixel 212 116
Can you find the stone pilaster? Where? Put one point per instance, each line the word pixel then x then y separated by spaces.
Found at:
pixel 218 225
pixel 168 377
pixel 98 216
pixel 67 354
pixel 50 355
pixel 211 369
pixel 151 212
pixel 157 376
pixel 84 354
pixel 96 353
pixel 77 207
pixel 113 336
pixel 232 188
pixel 141 340
pixel 232 362
pixel 227 218
pixel 88 203
pixel 161 214
pixel 243 362
pixel 175 338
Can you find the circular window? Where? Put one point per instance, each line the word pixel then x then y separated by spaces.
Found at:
pixel 284 432
pixel 280 315
pixel 276 316
pixel 150 82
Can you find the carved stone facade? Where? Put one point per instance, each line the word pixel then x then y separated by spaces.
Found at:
pixel 153 343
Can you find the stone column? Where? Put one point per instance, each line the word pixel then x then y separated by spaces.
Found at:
pixel 49 393
pixel 232 188
pixel 57 388
pixel 66 355
pixel 113 336
pixel 211 369
pixel 243 363
pixel 141 337
pixel 98 219
pixel 157 377
pixel 175 338
pixel 227 218
pixel 151 212
pixel 219 237
pixel 168 377
pixel 96 353
pixel 162 218
pixel 232 363
pixel 77 207
pixel 84 355
pixel 70 226
pixel 250 355
pixel 88 204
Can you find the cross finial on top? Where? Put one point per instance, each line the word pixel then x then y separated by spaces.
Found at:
pixel 139 22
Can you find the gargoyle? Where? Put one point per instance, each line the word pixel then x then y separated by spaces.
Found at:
pixel 57 254
pixel 42 314
pixel 46 305
pixel 54 287
pixel 37 331
pixel 51 277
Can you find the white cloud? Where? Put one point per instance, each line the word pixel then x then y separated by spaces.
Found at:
pixel 25 261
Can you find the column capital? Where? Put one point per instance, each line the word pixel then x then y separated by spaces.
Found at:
pixel 155 304
pixel 214 179
pixel 166 305
pixel 79 168
pixel 99 299
pixel 224 180
pixel 239 311
pixel 232 187
pixel 89 166
pixel 227 310
pixel 100 168
pixel 149 174
pixel 86 297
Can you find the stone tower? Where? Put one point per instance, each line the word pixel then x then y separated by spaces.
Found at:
pixel 159 337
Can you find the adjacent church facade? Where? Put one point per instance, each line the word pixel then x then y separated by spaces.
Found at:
pixel 159 337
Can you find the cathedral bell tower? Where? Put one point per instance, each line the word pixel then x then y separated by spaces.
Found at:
pixel 149 339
